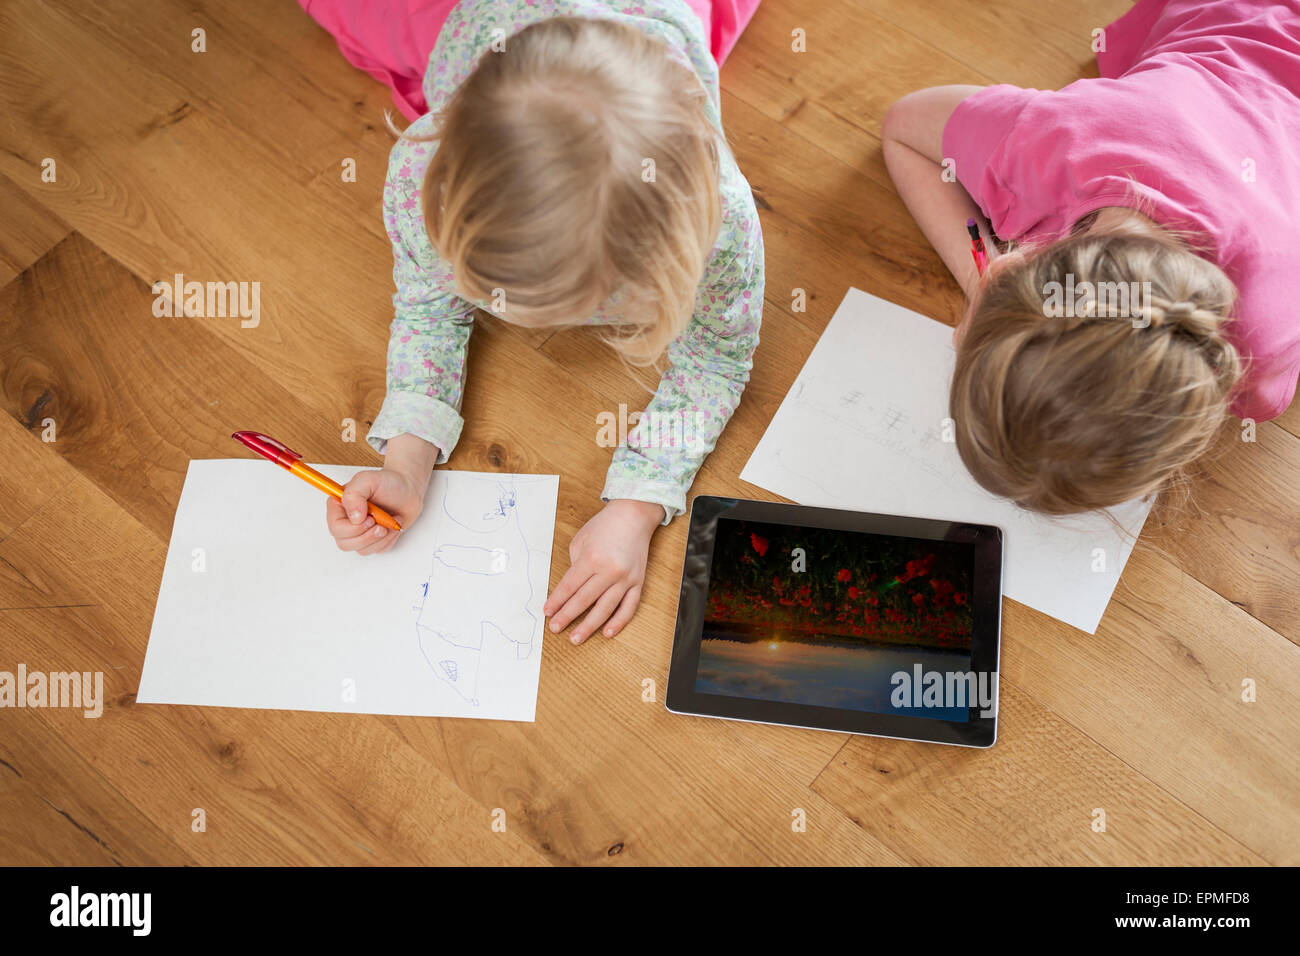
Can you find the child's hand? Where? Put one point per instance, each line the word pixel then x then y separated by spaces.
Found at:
pixel 609 557
pixel 353 528
pixel 398 488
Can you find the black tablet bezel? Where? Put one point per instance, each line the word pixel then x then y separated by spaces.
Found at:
pixel 986 606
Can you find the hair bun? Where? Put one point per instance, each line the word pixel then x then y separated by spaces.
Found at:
pixel 1162 313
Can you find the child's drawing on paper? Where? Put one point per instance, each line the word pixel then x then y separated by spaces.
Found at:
pixel 474 613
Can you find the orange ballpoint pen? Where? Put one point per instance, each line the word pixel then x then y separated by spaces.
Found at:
pixel 291 461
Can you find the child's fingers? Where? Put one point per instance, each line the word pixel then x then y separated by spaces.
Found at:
pixel 375 542
pixel 356 542
pixel 357 493
pixel 593 588
pixel 599 614
pixel 344 530
pixel 333 511
pixel 347 536
pixel 626 608
pixel 573 579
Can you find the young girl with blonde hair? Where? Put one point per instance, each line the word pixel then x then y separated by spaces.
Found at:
pixel 1164 195
pixel 571 169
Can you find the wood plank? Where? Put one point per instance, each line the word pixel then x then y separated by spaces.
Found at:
pixel 55 807
pixel 809 94
pixel 1013 41
pixel 610 770
pixel 861 230
pixel 1008 806
pixel 1289 420
pixel 1238 529
pixel 135 396
pixel 1160 686
pixel 30 230
pixel 155 150
pixel 32 474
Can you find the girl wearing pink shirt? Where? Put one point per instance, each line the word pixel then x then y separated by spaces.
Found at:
pixel 1153 286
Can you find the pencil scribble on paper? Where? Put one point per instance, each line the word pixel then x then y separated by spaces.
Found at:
pixel 883 424
pixel 480 616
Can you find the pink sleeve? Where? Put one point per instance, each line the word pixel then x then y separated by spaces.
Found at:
pixel 977 139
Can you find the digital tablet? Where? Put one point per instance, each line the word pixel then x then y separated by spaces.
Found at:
pixel 839 620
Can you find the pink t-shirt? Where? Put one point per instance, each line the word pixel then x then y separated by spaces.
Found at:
pixel 1196 121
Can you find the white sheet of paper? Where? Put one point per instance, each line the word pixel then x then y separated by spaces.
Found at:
pixel 258 608
pixel 863 427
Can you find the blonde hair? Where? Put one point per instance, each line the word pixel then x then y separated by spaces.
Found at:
pixel 1066 413
pixel 576 169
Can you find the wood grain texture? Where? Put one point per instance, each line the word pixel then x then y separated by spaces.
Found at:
pixel 30 231
pixel 226 166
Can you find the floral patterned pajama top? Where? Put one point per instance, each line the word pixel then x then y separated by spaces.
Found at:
pixel 708 364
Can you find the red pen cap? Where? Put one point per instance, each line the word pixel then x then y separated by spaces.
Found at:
pixel 268 447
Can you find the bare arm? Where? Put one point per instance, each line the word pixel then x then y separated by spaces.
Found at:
pixel 912 135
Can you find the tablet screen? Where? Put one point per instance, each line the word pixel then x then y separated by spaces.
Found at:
pixel 835 618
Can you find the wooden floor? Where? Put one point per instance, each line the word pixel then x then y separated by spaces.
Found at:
pixel 225 165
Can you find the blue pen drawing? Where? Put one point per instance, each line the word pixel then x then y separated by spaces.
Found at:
pixel 475 611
